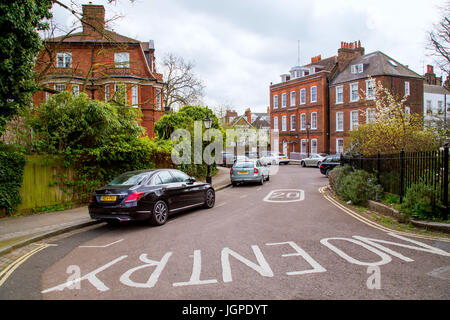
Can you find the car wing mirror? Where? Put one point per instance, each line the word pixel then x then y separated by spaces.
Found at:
pixel 191 180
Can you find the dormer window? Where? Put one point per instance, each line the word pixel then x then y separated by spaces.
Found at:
pixel 122 60
pixel 357 68
pixel 64 60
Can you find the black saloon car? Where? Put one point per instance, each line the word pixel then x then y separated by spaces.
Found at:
pixel 329 164
pixel 150 195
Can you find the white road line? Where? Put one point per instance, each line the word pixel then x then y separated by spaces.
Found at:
pixel 372 223
pixel 105 246
pixel 221 205
pixel 437 273
pixel 243 196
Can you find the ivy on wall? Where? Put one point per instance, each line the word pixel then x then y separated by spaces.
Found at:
pixel 12 163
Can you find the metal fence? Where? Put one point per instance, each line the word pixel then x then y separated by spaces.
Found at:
pixel 397 172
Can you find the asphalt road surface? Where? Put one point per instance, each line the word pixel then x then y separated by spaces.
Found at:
pixel 282 240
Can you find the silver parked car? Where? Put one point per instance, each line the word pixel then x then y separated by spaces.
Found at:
pixel 313 160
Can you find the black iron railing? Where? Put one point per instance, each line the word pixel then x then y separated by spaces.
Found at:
pixel 397 172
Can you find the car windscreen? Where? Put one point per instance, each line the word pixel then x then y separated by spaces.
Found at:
pixel 243 165
pixel 129 179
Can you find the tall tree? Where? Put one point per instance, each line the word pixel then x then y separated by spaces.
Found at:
pixel 439 40
pixel 183 87
pixel 20 21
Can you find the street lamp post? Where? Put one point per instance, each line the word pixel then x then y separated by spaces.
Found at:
pixel 308 126
pixel 208 122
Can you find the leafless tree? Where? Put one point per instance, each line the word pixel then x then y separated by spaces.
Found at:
pixel 183 87
pixel 439 40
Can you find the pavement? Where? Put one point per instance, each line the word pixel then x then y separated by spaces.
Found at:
pixel 19 231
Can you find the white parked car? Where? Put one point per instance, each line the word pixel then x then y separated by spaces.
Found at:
pixel 314 160
pixel 273 157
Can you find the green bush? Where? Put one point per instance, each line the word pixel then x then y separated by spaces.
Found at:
pixel 336 177
pixel 359 186
pixel 11 177
pixel 422 201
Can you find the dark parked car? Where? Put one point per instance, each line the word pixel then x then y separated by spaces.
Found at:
pixel 329 164
pixel 149 195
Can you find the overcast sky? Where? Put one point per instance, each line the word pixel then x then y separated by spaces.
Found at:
pixel 241 46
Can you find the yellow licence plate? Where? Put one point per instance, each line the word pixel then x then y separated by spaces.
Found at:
pixel 243 172
pixel 108 198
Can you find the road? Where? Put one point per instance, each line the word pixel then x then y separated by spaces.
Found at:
pixel 282 240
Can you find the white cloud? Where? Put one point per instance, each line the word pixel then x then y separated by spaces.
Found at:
pixel 241 46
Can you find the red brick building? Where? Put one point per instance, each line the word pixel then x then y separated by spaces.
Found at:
pixel 101 62
pixel 299 107
pixel 356 80
pixel 322 99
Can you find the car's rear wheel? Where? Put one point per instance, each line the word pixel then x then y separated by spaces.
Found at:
pixel 303 164
pixel 318 164
pixel 327 173
pixel 234 184
pixel 261 182
pixel 268 178
pixel 210 199
pixel 160 213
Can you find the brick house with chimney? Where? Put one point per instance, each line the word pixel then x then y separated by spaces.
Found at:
pixel 299 108
pixel 316 105
pixel 359 73
pixel 100 62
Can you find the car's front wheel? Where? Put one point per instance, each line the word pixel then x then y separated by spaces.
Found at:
pixel 303 164
pixel 160 213
pixel 210 199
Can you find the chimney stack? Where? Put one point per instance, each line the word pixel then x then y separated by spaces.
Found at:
pixel 347 52
pixel 248 115
pixel 93 20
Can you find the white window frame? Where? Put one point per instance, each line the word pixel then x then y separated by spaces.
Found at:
pixel 283 100
pixel 159 99
pixel 62 86
pixel 135 96
pixel 275 101
pixel 303 96
pixel 337 145
pixel 107 92
pixel 47 96
pixel 283 123
pixel 368 86
pixel 407 89
pixel 352 124
pixel 292 99
pixel 351 92
pixel 312 149
pixel 66 60
pixel 368 111
pixel 312 95
pixel 337 95
pixel 303 146
pixel 314 122
pixel 275 123
pixel 116 87
pixel 357 68
pixel 75 90
pixel 337 121
pixel 407 113
pixel 122 60
pixel 302 121
pixel 292 122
